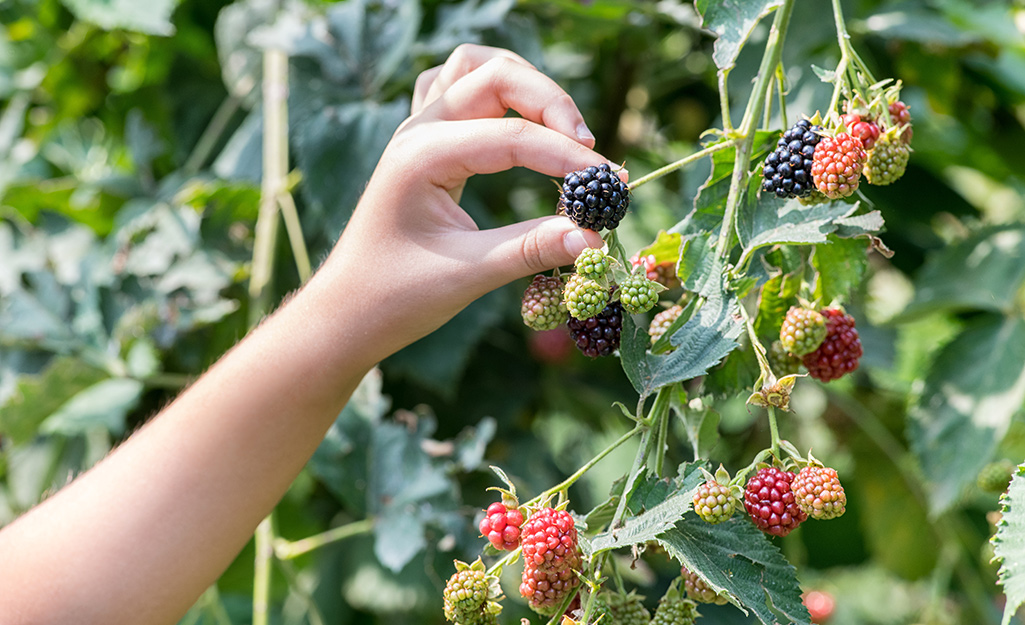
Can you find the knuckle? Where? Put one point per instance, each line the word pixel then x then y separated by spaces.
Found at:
pixel 533 253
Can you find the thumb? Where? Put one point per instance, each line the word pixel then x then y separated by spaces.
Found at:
pixel 529 247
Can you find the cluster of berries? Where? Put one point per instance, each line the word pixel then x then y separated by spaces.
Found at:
pixel 591 302
pixel 551 555
pixel 471 595
pixel 501 526
pixel 776 500
pixel 815 165
pixel 825 342
pixel 594 198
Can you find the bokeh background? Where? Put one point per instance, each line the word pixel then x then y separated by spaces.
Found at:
pixel 130 173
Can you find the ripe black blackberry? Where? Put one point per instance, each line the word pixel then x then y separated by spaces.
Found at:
pixel 599 335
pixel 594 198
pixel 787 170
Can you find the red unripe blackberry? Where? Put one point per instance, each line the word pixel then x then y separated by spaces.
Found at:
pixel 599 335
pixel 698 590
pixel 542 307
pixel 820 605
pixel 802 331
pixel 837 164
pixel 550 555
pixel 864 129
pixel 664 273
pixel 819 493
pixel 901 116
pixel 594 198
pixel 787 171
pixel 662 321
pixel 714 502
pixel 501 526
pixel 552 347
pixel 840 350
pixel 770 502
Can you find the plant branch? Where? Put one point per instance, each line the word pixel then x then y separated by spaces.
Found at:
pixel 262 571
pixel 289 550
pixel 212 134
pixel 569 481
pixel 683 162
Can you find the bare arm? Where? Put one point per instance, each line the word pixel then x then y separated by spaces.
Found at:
pixel 140 536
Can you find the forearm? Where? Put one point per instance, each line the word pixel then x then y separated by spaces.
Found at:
pixel 150 527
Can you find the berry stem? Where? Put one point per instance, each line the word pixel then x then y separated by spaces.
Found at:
pixel 496 568
pixel 766 374
pixel 781 81
pixel 742 160
pixel 724 102
pixel 288 550
pixel 773 430
pixel 683 162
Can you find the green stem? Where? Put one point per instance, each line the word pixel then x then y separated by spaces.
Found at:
pixel 773 430
pixel 741 162
pixel 295 235
pixel 781 81
pixel 683 162
pixel 312 611
pixel 289 550
pixel 506 559
pixel 262 571
pixel 661 444
pixel 724 102
pixel 170 381
pixel 211 134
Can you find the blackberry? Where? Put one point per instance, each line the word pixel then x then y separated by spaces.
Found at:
pixel 714 502
pixel 840 351
pixel 887 160
pixel 802 331
pixel 550 555
pixel 638 294
pixel 592 263
pixel 584 297
pixel 819 492
pixel 501 526
pixel 469 595
pixel 787 170
pixel 771 503
pixel 901 116
pixel 628 609
pixel 542 307
pixel 674 610
pixel 837 164
pixel 782 362
pixel 995 476
pixel 698 590
pixel 599 335
pixel 594 198
pixel 662 321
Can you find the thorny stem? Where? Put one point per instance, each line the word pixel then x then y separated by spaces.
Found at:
pixel 741 162
pixel 683 162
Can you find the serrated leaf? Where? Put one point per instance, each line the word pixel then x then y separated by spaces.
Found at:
pixel 841 265
pixel 700 268
pixel 989 267
pixel 102 405
pixel 698 345
pixel 974 387
pixel 1009 544
pixel 396 554
pixel 665 248
pixel 765 222
pixel 737 558
pixel 732 21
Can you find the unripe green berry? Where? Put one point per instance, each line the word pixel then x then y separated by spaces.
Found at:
pixel 638 294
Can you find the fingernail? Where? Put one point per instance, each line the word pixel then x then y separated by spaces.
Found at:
pixel 584 133
pixel 575 242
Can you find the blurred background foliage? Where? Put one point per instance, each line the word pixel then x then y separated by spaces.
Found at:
pixel 130 165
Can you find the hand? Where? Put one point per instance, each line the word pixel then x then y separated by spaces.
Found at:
pixel 417 257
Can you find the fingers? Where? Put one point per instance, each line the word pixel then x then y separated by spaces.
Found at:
pixel 450 152
pixel 502 84
pixel 528 247
pixel 463 60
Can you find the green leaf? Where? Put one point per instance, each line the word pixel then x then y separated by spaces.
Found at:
pixel 102 405
pixel 841 265
pixel 665 248
pixel 38 396
pixel 710 202
pixel 777 295
pixel 398 538
pixel 766 221
pixel 859 225
pixel 1009 544
pixel 732 21
pixel 737 558
pixel 698 345
pixel 983 272
pixel 700 268
pixel 974 387
pixel 152 17
pixel 241 62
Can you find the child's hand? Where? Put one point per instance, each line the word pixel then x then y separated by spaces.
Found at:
pixel 417 257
